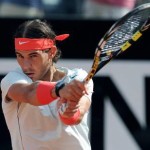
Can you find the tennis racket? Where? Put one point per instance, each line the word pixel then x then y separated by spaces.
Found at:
pixel 125 32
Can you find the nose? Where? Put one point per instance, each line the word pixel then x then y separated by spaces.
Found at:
pixel 26 64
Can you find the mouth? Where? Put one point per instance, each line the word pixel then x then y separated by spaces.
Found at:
pixel 30 75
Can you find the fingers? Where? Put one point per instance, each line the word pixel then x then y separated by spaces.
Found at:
pixel 70 96
pixel 68 110
pixel 73 90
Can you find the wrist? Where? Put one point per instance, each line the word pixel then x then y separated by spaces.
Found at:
pixel 59 85
pixel 53 93
pixel 71 120
pixel 45 92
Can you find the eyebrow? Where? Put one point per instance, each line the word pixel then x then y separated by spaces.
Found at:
pixel 32 53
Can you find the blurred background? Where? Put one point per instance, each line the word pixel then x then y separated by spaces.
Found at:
pixel 120 112
pixel 83 9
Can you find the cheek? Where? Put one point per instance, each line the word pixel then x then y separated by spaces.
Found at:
pixel 37 66
pixel 40 63
pixel 41 66
pixel 19 61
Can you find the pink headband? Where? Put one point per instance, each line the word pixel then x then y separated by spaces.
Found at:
pixel 37 44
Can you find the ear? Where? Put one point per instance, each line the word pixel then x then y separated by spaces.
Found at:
pixel 53 51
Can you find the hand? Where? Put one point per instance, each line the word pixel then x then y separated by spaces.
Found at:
pixel 73 91
pixel 67 109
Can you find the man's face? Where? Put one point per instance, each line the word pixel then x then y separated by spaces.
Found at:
pixel 35 64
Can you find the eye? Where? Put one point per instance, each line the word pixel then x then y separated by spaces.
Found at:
pixel 19 56
pixel 33 56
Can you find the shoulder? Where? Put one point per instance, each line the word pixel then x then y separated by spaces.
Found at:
pixel 75 73
pixel 16 76
pixel 80 73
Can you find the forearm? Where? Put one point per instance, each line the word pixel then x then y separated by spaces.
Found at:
pixel 84 107
pixel 36 93
pixel 43 92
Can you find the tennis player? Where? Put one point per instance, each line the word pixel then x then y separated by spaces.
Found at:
pixel 45 106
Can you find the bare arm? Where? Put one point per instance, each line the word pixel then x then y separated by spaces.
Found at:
pixel 84 106
pixel 22 92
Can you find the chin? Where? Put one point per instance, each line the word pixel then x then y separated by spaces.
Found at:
pixel 33 79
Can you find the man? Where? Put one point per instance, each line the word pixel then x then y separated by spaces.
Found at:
pixel 45 107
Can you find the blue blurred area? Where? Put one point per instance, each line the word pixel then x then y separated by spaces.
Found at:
pixel 58 8
pixel 29 3
pixel 40 8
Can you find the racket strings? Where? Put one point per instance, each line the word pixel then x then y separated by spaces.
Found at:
pixel 120 36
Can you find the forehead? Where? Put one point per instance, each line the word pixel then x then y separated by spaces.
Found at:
pixel 28 52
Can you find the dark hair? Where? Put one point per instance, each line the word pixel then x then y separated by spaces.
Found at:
pixel 37 29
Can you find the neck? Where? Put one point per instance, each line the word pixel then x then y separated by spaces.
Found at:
pixel 53 74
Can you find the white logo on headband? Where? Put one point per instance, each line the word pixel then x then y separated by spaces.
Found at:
pixel 20 43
